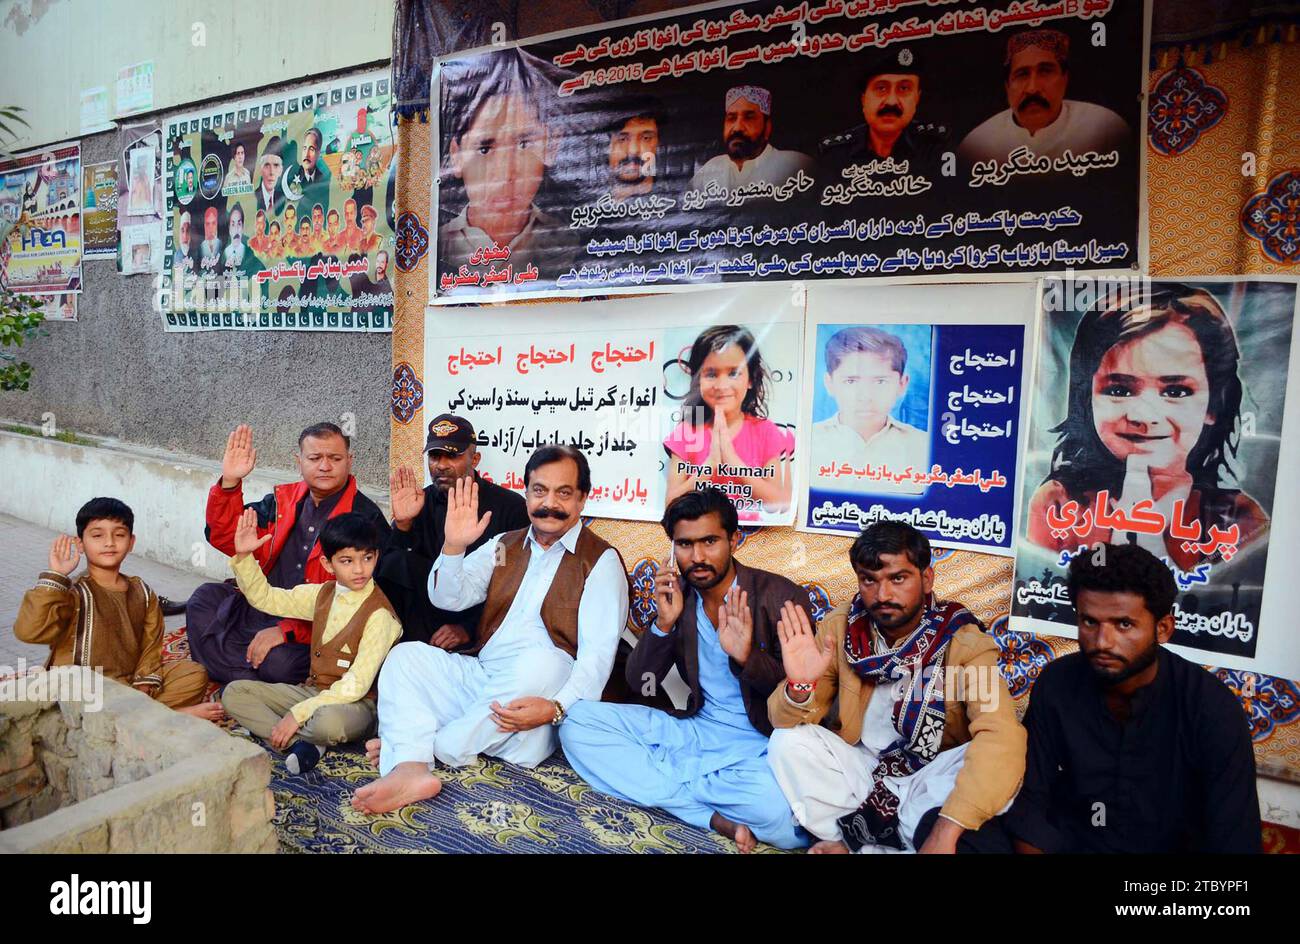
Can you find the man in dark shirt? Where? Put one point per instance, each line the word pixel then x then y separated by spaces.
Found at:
pixel 417 535
pixel 1131 748
pixel 889 92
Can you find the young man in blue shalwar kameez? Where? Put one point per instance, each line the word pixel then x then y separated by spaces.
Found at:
pixel 716 622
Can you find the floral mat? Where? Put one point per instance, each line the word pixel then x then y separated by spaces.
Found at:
pixel 489 806
pixel 494 806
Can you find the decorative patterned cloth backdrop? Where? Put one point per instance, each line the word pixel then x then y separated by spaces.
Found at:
pixel 1224 84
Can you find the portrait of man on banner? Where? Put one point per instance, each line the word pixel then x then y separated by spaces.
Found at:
pixel 1039 116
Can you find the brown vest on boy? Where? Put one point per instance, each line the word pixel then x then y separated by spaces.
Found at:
pixel 560 607
pixel 329 661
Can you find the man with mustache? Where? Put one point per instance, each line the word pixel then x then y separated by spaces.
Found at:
pixel 889 94
pixel 747 135
pixel 554 600
pixel 633 152
pixel 1040 117
pixel 925 723
pixel 716 622
pixel 1132 749
pixel 419 519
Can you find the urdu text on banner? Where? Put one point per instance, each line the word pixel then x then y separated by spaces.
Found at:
pixel 913 409
pixel 781 142
pixel 663 394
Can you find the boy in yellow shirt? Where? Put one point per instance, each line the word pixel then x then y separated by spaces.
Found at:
pixel 353 627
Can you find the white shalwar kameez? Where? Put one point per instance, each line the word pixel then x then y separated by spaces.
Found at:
pixel 437 704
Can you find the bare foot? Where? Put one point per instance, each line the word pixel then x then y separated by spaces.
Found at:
pixel 829 847
pixel 405 784
pixel 372 752
pixel 741 835
pixel 207 710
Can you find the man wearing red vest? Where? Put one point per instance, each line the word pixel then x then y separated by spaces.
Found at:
pixel 554 601
pixel 230 638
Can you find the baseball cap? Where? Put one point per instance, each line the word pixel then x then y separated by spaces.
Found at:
pixel 450 433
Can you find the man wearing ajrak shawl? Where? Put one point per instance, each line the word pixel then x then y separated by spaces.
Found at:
pixel 926 744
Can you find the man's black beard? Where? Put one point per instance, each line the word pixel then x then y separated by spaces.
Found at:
pixel 1135 666
pixel 750 147
pixel 627 162
pixel 894 617
pixel 709 582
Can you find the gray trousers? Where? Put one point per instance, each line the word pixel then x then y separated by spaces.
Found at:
pixel 259 706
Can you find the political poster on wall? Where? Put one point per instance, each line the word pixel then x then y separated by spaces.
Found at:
pixel 140 201
pixel 664 394
pixel 914 397
pixel 99 210
pixel 1158 419
pixel 792 141
pixel 40 193
pixel 280 211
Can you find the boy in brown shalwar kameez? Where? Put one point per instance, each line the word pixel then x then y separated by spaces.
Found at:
pixel 105 620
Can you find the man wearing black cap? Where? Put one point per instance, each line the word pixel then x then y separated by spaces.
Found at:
pixel 417 536
pixel 889 93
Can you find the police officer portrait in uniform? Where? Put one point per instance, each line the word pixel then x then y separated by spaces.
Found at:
pixel 889 91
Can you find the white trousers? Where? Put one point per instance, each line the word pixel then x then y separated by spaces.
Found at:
pixel 825 778
pixel 436 704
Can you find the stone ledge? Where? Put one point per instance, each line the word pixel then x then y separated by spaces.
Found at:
pixel 145 778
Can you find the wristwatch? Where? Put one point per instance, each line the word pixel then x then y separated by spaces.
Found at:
pixel 559 714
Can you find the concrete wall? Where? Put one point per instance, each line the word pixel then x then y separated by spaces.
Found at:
pixel 46 481
pixel 116 373
pixel 201 49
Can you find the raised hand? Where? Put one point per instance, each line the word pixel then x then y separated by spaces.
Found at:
pixel 406 497
pixel 64 555
pixel 805 660
pixel 240 456
pixel 669 595
pixel 464 526
pixel 246 539
pixel 736 625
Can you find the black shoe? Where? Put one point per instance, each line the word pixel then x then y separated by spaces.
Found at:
pixel 302 758
pixel 170 607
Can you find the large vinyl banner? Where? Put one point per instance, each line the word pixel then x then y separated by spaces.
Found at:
pixel 1158 420
pixel 663 394
pixel 770 142
pixel 280 211
pixel 40 193
pixel 916 396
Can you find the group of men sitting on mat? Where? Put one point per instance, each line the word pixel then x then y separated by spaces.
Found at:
pixel 484 622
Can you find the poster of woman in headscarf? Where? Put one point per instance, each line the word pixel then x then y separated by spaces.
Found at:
pixel 1157 421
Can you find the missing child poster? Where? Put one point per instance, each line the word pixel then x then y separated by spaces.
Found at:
pixel 767 141
pixel 663 394
pixel 913 409
pixel 1160 417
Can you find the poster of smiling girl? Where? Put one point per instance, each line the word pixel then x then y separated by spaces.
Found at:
pixel 1157 420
